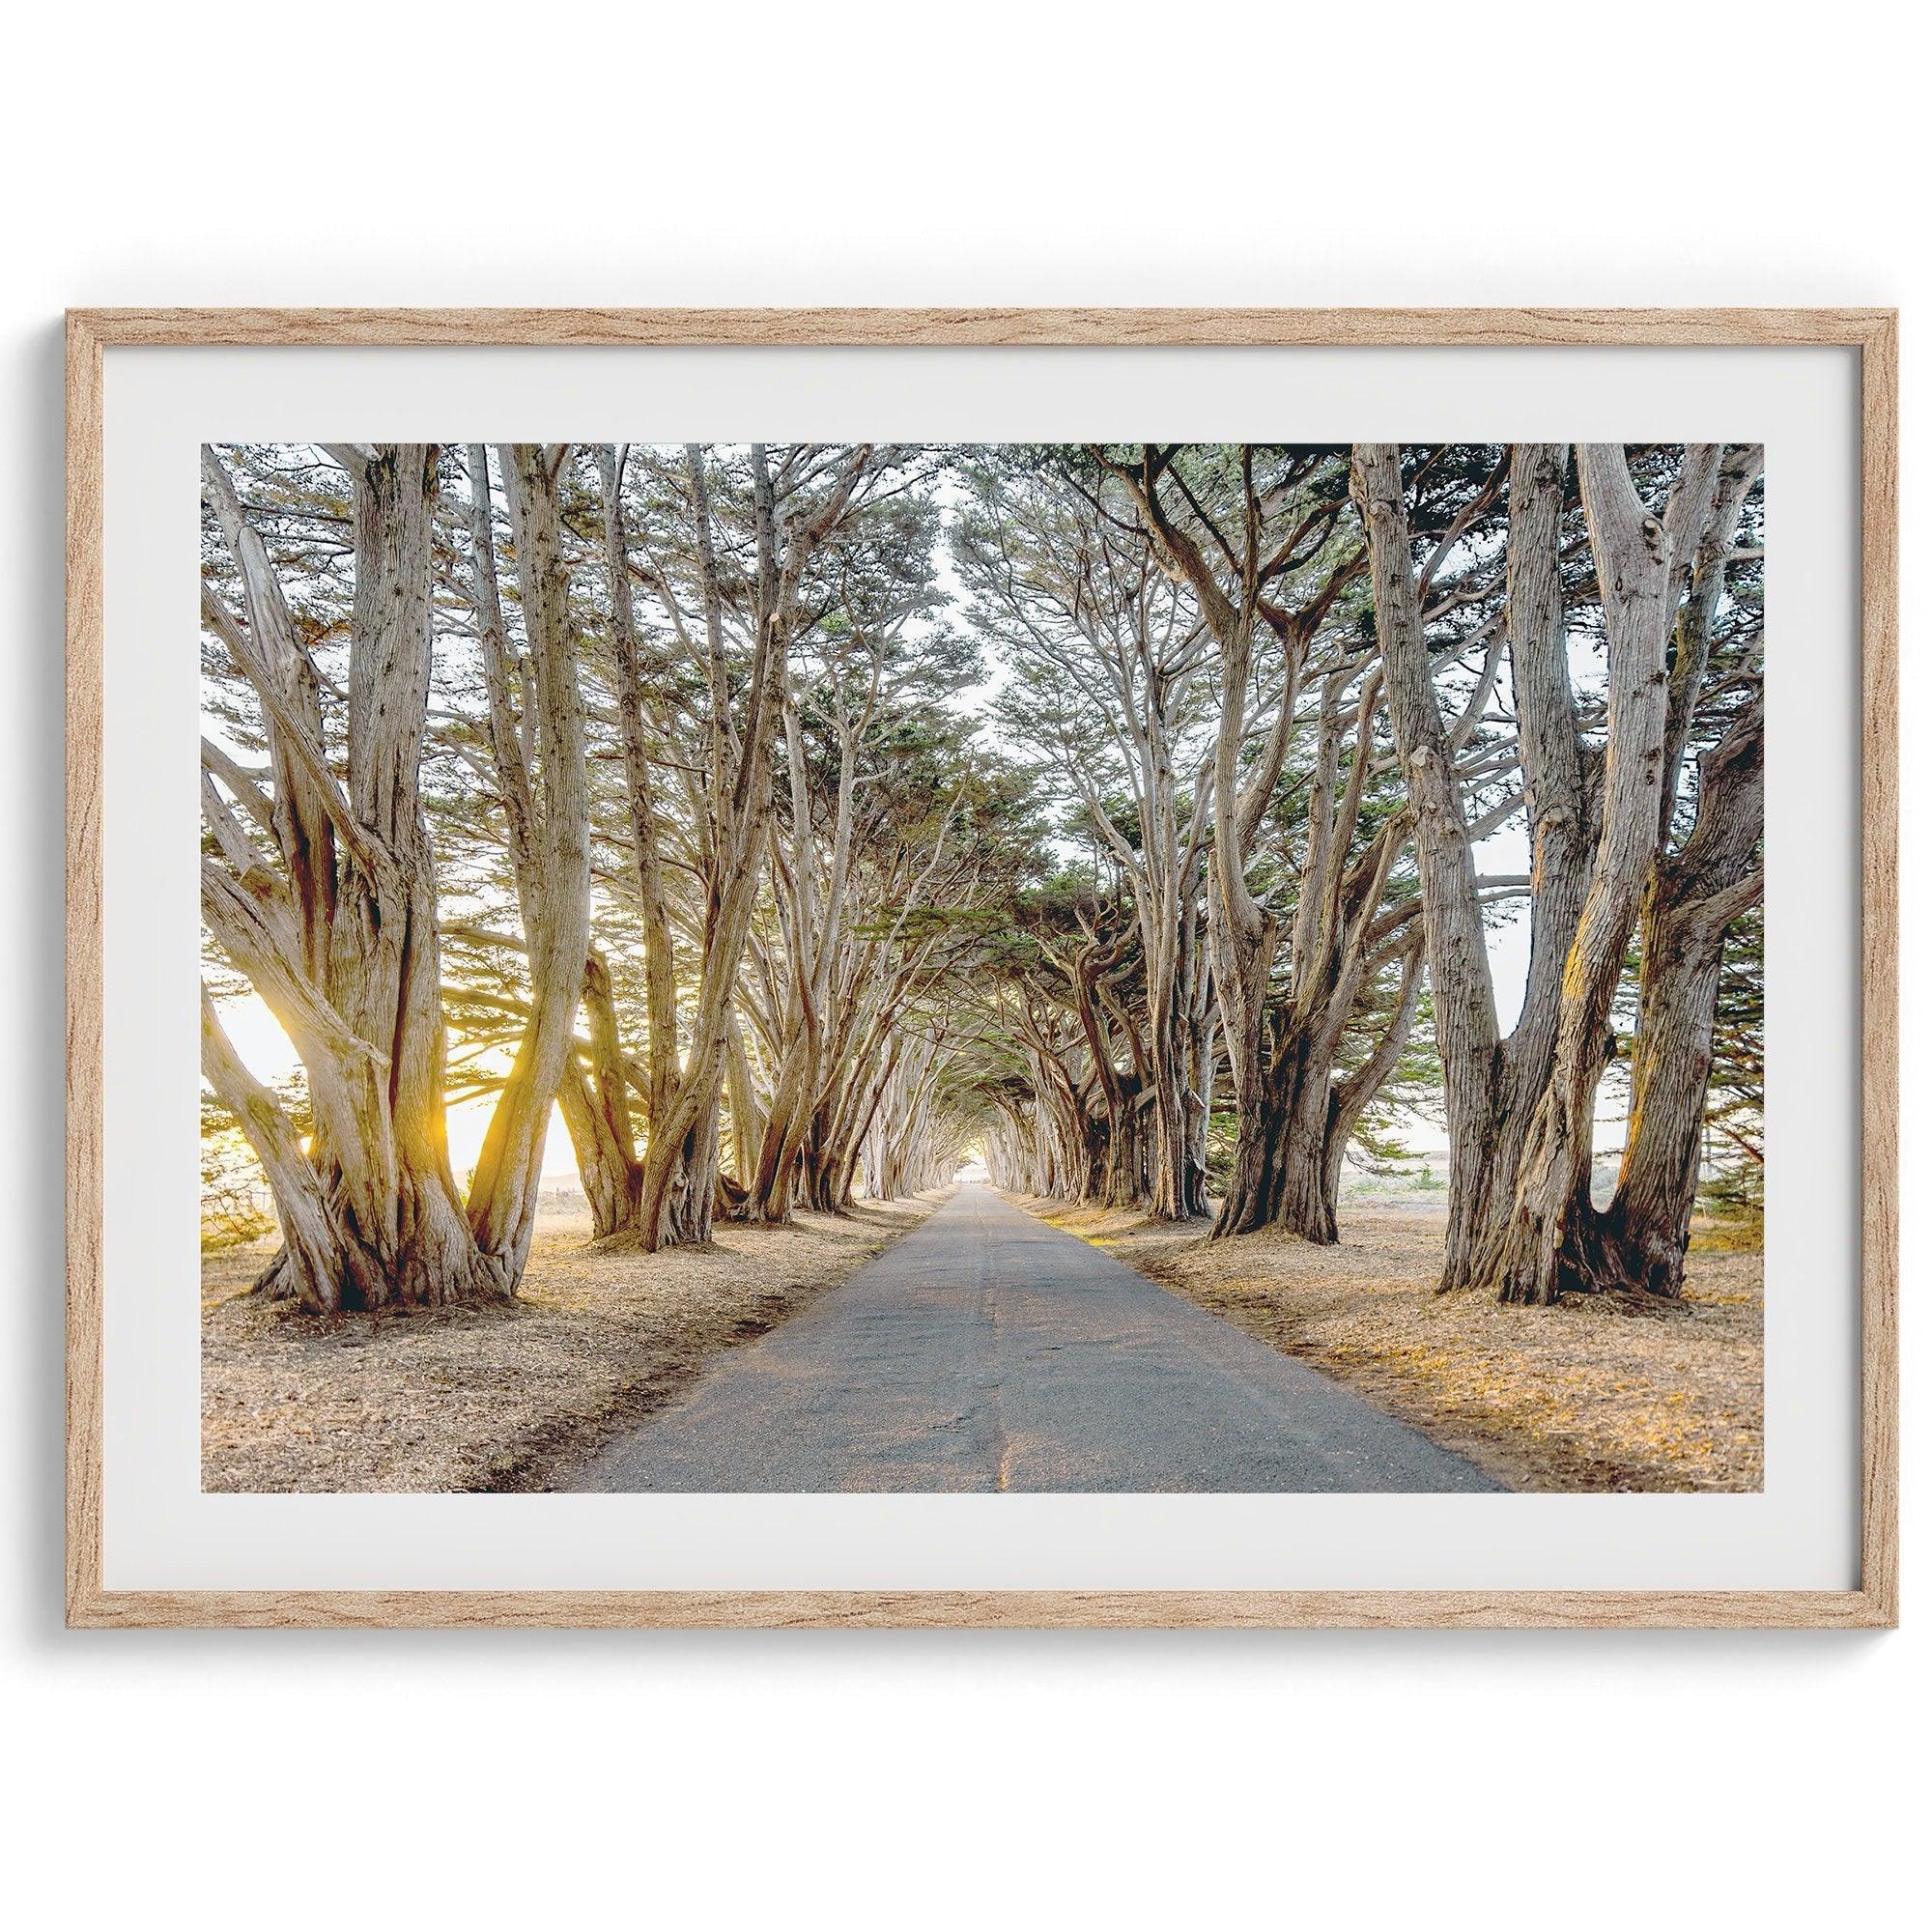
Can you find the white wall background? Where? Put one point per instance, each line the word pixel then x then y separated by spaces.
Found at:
pixel 999 153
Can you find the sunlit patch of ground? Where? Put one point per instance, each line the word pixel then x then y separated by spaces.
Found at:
pixel 1580 1397
pixel 494 1399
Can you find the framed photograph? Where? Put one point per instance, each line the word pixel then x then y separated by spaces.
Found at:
pixel 742 968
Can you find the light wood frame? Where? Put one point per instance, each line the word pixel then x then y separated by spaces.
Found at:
pixel 1872 332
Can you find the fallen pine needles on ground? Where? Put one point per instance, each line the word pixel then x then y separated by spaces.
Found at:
pixel 500 1398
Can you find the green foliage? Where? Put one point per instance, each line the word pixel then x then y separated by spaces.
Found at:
pixel 1731 1183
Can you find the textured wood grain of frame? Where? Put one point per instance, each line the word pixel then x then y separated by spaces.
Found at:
pixel 1872 332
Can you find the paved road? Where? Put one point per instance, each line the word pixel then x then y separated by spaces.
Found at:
pixel 986 1350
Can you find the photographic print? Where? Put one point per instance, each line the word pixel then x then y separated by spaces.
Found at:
pixel 1100 967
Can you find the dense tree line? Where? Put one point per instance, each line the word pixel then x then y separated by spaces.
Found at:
pixel 649 784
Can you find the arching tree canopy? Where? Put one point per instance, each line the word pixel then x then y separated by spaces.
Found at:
pixel 1143 820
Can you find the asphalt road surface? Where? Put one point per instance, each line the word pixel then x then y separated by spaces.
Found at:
pixel 985 1351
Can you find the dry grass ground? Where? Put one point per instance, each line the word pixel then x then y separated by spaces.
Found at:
pixel 498 1399
pixel 1580 1397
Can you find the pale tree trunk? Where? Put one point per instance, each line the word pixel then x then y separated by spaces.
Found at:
pixel 1325 975
pixel 646 834
pixel 1693 897
pixel 1165 1091
pixel 861 1052
pixel 1158 895
pixel 1183 1073
pixel 341 939
pixel 851 1144
pixel 1241 942
pixel 1557 800
pixel 830 1152
pixel 1068 1136
pixel 595 1102
pixel 1638 1242
pixel 833 976
pixel 1279 1067
pixel 1148 1110
pixel 858 978
pixel 770 1185
pixel 1085 1112
pixel 1459 965
pixel 748 1121
pixel 1492 1084
pixel 1119 1154
pixel 1090 606
pixel 1334 959
pixel 1540 1248
pixel 890 1141
pixel 509 1171
pixel 1240 936
pixel 677 1194
pixel 593 1089
pixel 1197 1093
pixel 1168 1188
pixel 1350 1098
pixel 1318 1113
pixel 313 1249
pixel 680 1178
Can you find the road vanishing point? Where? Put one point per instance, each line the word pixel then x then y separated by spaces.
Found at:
pixel 985 1351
